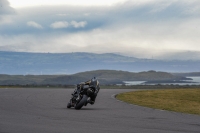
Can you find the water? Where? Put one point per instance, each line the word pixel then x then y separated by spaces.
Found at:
pixel 194 79
pixel 134 82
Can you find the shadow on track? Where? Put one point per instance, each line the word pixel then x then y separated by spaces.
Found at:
pixel 87 109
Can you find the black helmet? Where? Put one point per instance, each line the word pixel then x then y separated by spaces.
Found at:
pixel 93 79
pixel 94 82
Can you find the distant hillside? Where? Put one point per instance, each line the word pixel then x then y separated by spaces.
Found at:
pixel 125 75
pixel 105 77
pixel 192 74
pixel 58 63
pixel 21 63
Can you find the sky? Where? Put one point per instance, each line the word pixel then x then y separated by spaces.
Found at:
pixel 139 28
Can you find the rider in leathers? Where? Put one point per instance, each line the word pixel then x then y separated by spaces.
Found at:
pixel 93 83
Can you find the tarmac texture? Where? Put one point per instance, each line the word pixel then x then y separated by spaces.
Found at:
pixel 44 111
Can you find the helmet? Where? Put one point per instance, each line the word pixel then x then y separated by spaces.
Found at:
pixel 93 79
pixel 94 82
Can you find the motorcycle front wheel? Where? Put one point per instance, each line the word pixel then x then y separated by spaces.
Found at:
pixel 81 103
pixel 69 105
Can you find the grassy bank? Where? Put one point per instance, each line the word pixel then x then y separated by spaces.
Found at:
pixel 179 100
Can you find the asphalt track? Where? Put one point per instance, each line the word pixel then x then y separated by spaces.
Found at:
pixel 44 111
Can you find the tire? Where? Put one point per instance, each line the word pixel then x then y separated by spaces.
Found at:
pixel 81 103
pixel 69 105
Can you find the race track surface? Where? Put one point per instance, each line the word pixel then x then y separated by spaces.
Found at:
pixel 44 111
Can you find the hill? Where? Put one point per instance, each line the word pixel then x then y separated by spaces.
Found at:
pixel 106 77
pixel 191 74
pixel 22 63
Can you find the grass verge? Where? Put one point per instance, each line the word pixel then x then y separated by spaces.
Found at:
pixel 178 100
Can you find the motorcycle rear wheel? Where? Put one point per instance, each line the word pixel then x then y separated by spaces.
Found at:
pixel 81 103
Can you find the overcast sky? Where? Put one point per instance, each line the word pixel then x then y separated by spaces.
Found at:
pixel 140 28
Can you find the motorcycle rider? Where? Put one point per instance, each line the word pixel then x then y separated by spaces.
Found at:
pixel 93 83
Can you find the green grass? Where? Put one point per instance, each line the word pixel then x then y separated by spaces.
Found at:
pixel 178 100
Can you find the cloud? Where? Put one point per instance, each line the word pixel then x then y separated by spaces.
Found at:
pixel 65 24
pixel 5 8
pixel 5 20
pixel 143 30
pixel 59 25
pixel 60 14
pixel 5 12
pixel 81 24
pixel 34 24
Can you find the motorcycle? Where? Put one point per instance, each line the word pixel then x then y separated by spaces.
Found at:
pixel 85 93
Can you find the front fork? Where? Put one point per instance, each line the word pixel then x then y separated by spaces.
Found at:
pixel 75 100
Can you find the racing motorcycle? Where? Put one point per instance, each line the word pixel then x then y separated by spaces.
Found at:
pixel 84 93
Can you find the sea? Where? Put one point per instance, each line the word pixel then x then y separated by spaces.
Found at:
pixel 194 81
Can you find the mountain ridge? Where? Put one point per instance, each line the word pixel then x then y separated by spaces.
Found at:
pixel 106 77
pixel 69 63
